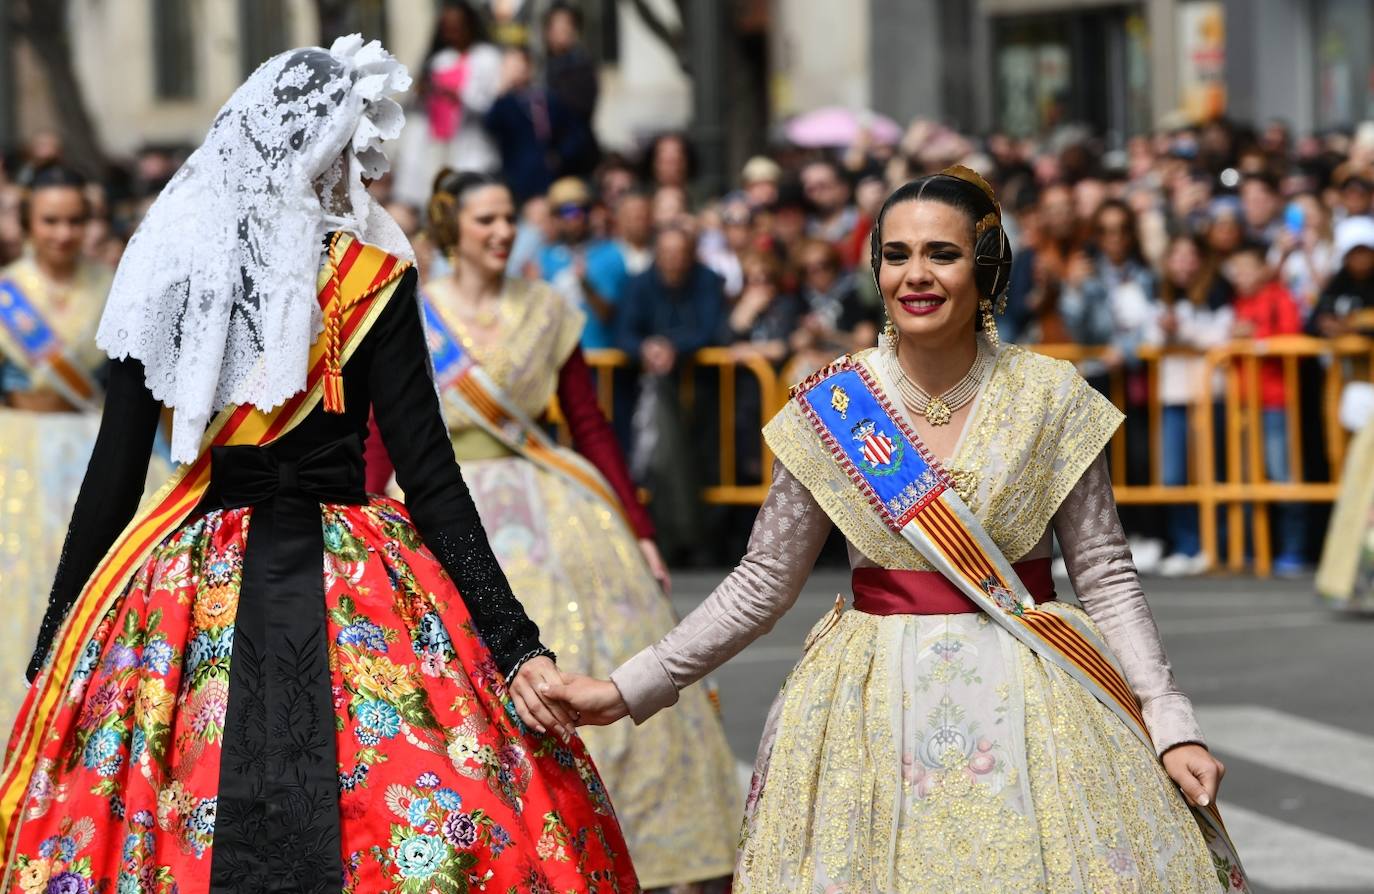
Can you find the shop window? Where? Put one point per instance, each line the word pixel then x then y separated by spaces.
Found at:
pixel 264 31
pixel 174 43
pixel 1345 62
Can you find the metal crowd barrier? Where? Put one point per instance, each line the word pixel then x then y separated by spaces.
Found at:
pixel 1236 366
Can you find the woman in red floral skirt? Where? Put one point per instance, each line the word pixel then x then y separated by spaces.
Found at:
pixel 271 681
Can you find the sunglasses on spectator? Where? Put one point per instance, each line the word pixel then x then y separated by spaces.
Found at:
pixel 572 209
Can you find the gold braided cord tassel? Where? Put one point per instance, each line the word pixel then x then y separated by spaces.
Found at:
pixel 989 323
pixel 333 323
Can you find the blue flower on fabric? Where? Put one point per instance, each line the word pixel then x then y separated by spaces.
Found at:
pixel 363 633
pixel 101 746
pixel 202 819
pixel 68 883
pixel 63 847
pixel 89 658
pixel 210 646
pixel 219 571
pixel 432 637
pixel 143 819
pixel 333 537
pixel 138 745
pixel 427 780
pixel 418 814
pixel 128 884
pixel 420 856
pixel 130 848
pixel 120 657
pixel 459 830
pixel 157 656
pixel 448 799
pixel 367 737
pixel 380 717
pixel 110 766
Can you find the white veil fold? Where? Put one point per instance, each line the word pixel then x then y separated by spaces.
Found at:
pixel 215 293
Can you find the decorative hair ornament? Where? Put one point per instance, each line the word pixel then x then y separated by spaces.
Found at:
pixel 969 175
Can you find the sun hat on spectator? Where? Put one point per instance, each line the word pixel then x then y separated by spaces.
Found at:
pixel 1353 233
pixel 569 191
pixel 760 169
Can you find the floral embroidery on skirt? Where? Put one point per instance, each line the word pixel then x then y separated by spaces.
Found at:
pixel 440 787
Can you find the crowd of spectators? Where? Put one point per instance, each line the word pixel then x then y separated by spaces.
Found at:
pixel 1185 237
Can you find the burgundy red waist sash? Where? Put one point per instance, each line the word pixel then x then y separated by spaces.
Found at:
pixel 885 591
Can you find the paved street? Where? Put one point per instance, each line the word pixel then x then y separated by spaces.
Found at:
pixel 1282 687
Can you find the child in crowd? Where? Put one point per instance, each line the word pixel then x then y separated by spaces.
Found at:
pixel 1265 308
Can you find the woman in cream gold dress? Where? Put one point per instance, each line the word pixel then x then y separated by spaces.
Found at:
pixel 575 543
pixel 959 730
pixel 50 304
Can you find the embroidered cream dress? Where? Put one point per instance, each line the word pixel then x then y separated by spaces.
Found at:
pixel 43 457
pixel 1345 576
pixel 935 753
pixel 577 569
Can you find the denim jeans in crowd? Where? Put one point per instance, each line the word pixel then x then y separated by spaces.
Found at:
pixel 1183 519
pixel 1287 518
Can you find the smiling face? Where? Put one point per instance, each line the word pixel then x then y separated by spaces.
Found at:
pixel 57 225
pixel 926 272
pixel 486 229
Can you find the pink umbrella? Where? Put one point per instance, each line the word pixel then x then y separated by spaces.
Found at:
pixel 838 126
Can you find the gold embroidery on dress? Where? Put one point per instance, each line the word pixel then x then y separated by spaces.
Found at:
pixel 1036 429
pixel 538 329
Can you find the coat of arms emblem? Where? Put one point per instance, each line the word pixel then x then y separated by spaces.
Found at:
pixel 877 448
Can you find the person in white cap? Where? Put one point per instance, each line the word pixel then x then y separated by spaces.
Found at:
pixel 1347 303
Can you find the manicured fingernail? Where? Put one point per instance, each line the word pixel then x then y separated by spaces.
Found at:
pixel 540 730
pixel 1203 800
pixel 543 687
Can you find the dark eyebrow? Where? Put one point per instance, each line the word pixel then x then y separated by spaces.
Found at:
pixel 944 246
pixel 895 244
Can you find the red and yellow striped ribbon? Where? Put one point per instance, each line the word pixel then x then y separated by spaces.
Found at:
pixel 968 557
pixel 533 446
pixel 356 274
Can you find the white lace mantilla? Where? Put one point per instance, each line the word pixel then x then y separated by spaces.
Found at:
pixel 216 291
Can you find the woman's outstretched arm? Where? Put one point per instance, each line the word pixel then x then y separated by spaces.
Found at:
pixel 788 535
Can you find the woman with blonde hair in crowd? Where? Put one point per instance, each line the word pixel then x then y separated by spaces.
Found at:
pixel 567 527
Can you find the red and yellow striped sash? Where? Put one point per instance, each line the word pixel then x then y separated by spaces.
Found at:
pixel 355 287
pixel 968 557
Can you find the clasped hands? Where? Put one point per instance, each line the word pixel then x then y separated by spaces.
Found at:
pixel 562 701
pixel 552 701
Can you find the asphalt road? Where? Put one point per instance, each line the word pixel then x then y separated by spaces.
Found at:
pixel 1282 687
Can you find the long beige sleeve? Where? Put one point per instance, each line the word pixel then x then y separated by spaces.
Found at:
pixel 1104 577
pixel 788 535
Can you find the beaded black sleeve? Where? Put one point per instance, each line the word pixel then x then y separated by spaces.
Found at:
pixel 412 427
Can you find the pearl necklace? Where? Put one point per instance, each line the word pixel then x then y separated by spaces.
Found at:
pixel 940 408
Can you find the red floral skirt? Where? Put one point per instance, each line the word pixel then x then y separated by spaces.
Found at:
pixel 440 787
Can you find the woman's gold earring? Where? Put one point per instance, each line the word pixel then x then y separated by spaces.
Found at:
pixel 989 322
pixel 889 333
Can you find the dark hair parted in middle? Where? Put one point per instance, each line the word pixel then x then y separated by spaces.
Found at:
pixel 964 190
pixel 53 175
pixel 446 199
